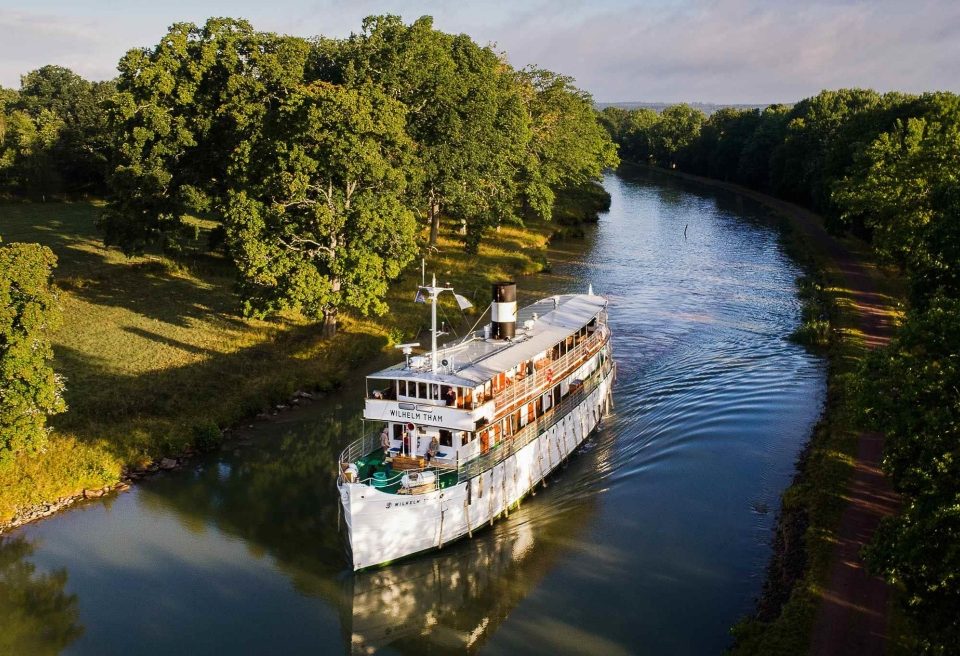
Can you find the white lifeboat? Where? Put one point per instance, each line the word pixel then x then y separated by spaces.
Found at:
pixel 417 478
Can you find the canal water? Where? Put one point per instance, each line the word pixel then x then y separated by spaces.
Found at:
pixel 653 539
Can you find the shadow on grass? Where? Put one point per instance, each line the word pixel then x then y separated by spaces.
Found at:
pixel 136 416
pixel 195 286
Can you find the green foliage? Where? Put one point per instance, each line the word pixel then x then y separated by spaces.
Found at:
pixel 569 147
pixel 909 390
pixel 905 188
pixel 676 130
pixel 814 329
pixel 316 221
pixel 489 141
pixel 29 389
pixel 488 138
pixel 54 136
pixel 182 109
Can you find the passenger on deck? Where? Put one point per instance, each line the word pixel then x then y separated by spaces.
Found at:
pixel 451 397
pixel 385 440
pixel 433 448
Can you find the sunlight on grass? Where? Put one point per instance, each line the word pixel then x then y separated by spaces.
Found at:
pixel 155 352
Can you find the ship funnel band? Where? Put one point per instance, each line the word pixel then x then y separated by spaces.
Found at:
pixel 503 311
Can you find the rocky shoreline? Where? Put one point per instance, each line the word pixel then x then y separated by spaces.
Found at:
pixel 129 477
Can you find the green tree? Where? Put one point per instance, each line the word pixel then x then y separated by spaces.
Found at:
pixel 59 136
pixel 316 219
pixel 754 167
pixel 674 133
pixel 182 109
pixel 909 390
pixel 465 113
pixel 29 388
pixel 799 164
pixel 569 147
pixel 722 140
pixel 906 190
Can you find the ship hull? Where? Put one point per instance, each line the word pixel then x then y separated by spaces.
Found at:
pixel 386 527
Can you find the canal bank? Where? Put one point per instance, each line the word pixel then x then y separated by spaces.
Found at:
pixel 817 597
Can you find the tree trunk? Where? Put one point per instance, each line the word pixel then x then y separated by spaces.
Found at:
pixel 330 312
pixel 329 322
pixel 434 213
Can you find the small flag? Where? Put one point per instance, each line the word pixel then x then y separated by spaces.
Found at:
pixel 420 297
pixel 462 301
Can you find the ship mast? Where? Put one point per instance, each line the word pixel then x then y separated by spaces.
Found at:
pixel 433 292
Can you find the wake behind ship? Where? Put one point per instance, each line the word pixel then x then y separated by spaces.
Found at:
pixel 465 431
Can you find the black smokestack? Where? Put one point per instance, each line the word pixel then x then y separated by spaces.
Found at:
pixel 503 313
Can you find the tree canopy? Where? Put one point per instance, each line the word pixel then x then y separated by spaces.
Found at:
pixel 29 388
pixel 316 218
pixel 54 134
pixel 201 115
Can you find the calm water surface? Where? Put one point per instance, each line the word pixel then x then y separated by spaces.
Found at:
pixel 652 540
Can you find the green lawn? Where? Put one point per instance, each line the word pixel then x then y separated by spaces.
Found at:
pixel 157 357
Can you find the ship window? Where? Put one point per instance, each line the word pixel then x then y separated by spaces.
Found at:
pixel 421 390
pixel 446 438
pixel 398 431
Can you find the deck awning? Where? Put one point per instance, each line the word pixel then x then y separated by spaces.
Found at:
pixel 477 361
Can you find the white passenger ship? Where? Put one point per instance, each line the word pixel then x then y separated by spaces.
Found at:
pixel 465 431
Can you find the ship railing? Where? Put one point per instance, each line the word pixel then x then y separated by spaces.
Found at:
pixel 519 391
pixel 359 448
pixel 530 432
pixel 364 446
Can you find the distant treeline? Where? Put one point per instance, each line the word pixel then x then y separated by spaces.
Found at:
pixel 705 107
pixel 55 137
pixel 886 167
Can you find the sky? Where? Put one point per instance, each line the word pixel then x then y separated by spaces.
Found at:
pixel 723 51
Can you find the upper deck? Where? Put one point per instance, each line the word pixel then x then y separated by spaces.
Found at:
pixel 473 376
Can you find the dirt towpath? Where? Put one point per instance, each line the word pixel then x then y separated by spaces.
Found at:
pixel 853 615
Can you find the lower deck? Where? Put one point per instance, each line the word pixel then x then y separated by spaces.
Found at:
pixel 378 468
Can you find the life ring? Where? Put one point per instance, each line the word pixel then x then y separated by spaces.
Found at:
pixel 549 375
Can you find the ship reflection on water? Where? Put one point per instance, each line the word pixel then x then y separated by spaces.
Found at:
pixel 454 599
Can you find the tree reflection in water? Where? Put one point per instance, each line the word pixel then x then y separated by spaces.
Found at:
pixel 279 496
pixel 36 616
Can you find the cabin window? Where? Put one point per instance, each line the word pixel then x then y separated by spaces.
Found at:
pixel 398 431
pixel 446 438
pixel 421 390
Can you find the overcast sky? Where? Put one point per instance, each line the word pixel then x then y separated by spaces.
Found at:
pixel 727 51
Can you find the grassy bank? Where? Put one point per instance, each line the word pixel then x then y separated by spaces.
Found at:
pixel 158 360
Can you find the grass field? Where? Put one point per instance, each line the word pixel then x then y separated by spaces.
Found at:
pixel 157 357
